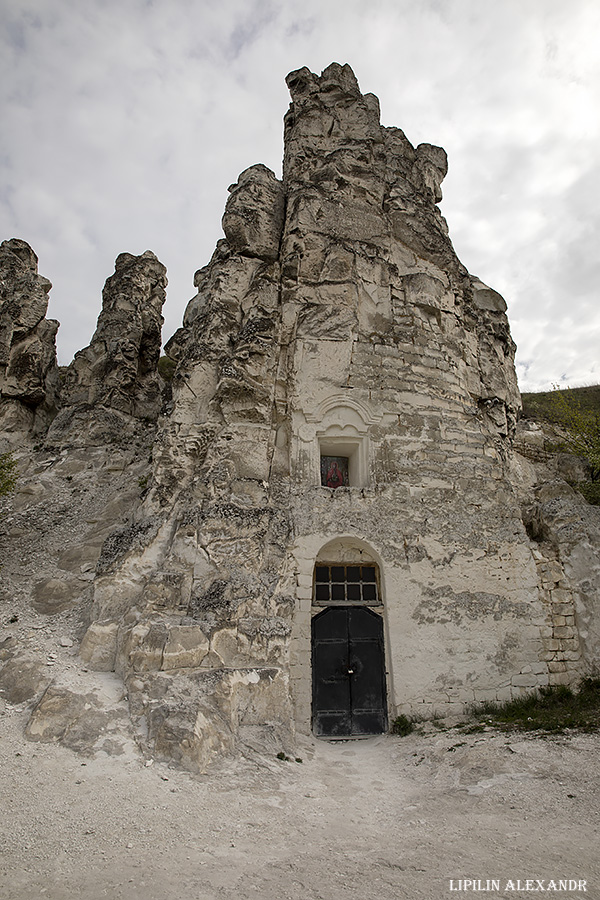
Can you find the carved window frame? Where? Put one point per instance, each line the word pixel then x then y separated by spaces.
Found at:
pixel 346 585
pixel 347 442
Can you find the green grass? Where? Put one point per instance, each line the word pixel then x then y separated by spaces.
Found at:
pixel 549 709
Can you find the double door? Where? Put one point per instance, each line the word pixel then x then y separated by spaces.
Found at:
pixel 349 696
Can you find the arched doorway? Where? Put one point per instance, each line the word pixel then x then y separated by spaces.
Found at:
pixel 348 673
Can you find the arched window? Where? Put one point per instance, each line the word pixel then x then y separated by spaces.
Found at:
pixel 346 574
pixel 346 584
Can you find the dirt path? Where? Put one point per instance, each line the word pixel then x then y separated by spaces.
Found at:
pixel 382 818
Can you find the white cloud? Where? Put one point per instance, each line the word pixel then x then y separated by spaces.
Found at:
pixel 124 123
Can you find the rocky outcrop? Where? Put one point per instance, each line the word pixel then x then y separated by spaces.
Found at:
pixel 362 210
pixel 253 218
pixel 28 367
pixel 334 322
pixel 343 170
pixel 565 534
pixel 110 386
pixel 333 318
pixel 90 474
pixel 203 653
pixel 114 381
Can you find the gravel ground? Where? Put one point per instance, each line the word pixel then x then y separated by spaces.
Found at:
pixel 387 817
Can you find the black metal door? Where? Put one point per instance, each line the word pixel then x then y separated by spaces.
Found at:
pixel 348 673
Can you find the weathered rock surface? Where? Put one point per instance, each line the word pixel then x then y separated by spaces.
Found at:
pixel 83 722
pixel 115 380
pixel 52 529
pixel 28 367
pixel 110 386
pixel 253 218
pixel 565 533
pixel 22 677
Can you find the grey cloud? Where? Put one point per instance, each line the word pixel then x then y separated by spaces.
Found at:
pixel 123 124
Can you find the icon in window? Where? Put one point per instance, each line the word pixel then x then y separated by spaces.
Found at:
pixel 334 471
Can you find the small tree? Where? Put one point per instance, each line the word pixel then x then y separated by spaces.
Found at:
pixel 581 429
pixel 8 473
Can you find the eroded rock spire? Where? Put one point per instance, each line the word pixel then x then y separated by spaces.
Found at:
pixel 28 367
pixel 114 381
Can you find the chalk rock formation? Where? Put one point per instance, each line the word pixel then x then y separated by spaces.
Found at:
pixel 565 539
pixel 345 329
pixel 114 381
pixel 89 474
pixel 253 218
pixel 28 367
pixel 336 528
pixel 363 214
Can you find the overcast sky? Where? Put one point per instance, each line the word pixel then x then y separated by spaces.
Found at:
pixel 124 121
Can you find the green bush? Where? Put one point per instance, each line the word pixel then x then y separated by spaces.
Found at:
pixel 590 490
pixel 542 405
pixel 8 474
pixel 166 368
pixel 402 726
pixel 576 414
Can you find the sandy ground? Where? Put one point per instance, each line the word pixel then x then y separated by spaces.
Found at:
pixel 383 818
